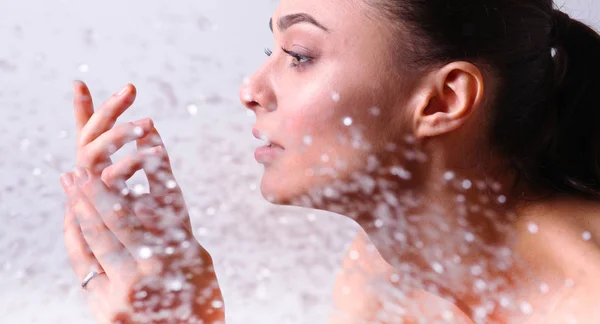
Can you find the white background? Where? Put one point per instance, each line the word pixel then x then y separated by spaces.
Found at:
pixel 275 264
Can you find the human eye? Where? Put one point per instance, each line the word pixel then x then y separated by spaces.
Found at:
pixel 299 59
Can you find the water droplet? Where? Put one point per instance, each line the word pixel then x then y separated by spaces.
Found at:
pixel 469 237
pixel 117 207
pixel 569 283
pixel 532 228
pixel 449 175
pixel 392 147
pixel 544 288
pixel 141 294
pixel 311 217
pixel 125 191
pixel 348 121
pixel 138 131
pixel 379 223
pixel 586 236
pixel 193 109
pixel 307 140
pixel 447 316
pixel 526 308
pixel 476 270
pixel 467 184
pixel 354 255
pixel 178 235
pixel 502 199
pixel 83 68
pixel 437 267
pixel 409 139
pixel 400 237
pixel 145 252
pixel 329 192
pixel 170 250
pixel 401 173
pixel 335 96
pixel 217 304
pixel 325 158
pixel 456 259
pixel 480 284
pixel 375 111
pixel 480 313
pixel 138 189
pixel 37 171
pixel 171 184
pixel 175 284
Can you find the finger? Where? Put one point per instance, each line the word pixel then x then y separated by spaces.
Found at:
pixel 118 173
pixel 93 155
pixel 160 174
pixel 162 183
pixel 147 212
pixel 161 180
pixel 106 116
pixel 82 104
pixel 80 256
pixel 112 213
pixel 108 250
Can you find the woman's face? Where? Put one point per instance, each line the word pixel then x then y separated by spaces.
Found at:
pixel 327 96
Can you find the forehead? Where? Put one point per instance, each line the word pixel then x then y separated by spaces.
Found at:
pixel 336 15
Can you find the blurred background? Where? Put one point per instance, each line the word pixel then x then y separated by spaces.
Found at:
pixel 187 60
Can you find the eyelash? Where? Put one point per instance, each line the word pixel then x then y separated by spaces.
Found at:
pixel 300 59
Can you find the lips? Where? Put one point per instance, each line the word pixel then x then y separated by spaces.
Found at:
pixel 263 137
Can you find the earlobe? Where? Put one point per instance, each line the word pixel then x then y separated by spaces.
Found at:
pixel 453 93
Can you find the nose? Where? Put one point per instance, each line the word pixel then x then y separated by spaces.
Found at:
pixel 256 93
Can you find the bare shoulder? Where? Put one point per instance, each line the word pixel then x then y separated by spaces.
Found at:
pixel 569 240
pixel 365 291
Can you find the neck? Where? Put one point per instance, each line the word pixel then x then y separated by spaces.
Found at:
pixel 454 238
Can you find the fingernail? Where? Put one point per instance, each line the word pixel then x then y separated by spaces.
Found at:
pixel 77 84
pixel 66 180
pixel 81 176
pixel 143 122
pixel 122 91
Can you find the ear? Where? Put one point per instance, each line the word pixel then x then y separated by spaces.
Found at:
pixel 452 94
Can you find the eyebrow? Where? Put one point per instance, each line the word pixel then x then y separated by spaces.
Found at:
pixel 286 22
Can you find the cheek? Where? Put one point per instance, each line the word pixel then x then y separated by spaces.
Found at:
pixel 309 119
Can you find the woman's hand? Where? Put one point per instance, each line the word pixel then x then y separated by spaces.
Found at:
pixel 152 270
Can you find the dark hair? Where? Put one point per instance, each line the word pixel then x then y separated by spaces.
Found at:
pixel 546 114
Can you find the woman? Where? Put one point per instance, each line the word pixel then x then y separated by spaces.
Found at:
pixel 461 135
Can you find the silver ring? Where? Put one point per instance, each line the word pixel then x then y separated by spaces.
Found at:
pixel 91 275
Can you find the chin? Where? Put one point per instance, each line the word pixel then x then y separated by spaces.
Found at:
pixel 274 190
pixel 283 190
